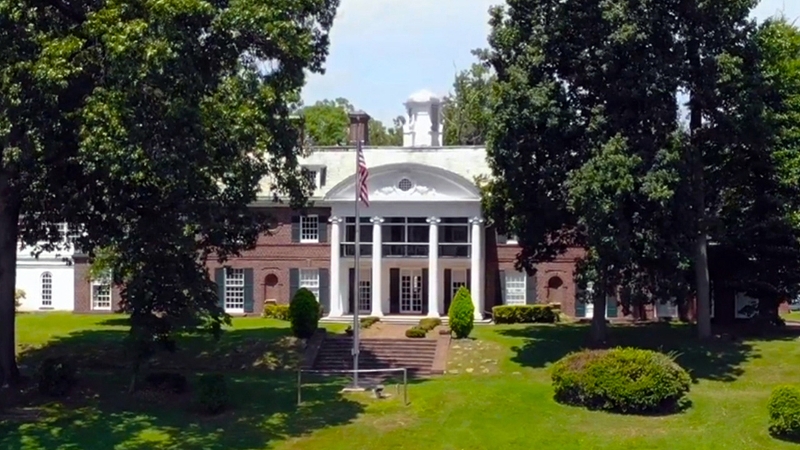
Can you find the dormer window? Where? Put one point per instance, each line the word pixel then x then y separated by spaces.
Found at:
pixel 316 175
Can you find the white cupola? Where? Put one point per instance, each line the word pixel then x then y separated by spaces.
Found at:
pixel 423 126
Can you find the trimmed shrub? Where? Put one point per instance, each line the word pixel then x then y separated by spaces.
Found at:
pixel 784 412
pixel 56 377
pixel 429 323
pixel 280 312
pixel 524 314
pixel 367 322
pixel 304 314
pixel 416 332
pixel 167 382
pixel 624 380
pixel 462 313
pixel 212 393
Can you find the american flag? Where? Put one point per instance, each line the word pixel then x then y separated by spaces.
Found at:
pixel 363 174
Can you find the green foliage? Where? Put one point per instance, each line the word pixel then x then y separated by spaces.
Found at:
pixel 416 332
pixel 524 314
pixel 19 295
pixel 129 123
pixel 280 312
pixel 212 393
pixel 462 313
pixel 625 380
pixel 784 412
pixel 367 322
pixel 304 314
pixel 56 377
pixel 327 124
pixel 429 323
pixel 466 111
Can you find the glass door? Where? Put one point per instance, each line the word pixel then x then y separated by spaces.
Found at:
pixel 411 291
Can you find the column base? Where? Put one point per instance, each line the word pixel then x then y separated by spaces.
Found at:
pixel 478 316
pixel 335 314
pixel 433 314
pixel 376 314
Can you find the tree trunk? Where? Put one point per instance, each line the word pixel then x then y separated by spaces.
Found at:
pixel 702 282
pixel 9 231
pixel 599 331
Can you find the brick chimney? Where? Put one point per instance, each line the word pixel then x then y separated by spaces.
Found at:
pixel 359 127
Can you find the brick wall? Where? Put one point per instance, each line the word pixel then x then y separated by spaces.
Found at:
pixel 83 289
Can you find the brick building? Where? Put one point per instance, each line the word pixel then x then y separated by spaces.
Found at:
pixel 422 237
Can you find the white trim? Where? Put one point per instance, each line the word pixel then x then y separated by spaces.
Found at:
pixel 233 290
pixel 98 300
pixel 309 279
pixel 46 290
pixel 309 240
pixel 510 275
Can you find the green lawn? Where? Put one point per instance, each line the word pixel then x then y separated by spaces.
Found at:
pixel 497 396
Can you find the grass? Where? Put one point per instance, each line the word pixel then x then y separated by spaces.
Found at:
pixel 496 395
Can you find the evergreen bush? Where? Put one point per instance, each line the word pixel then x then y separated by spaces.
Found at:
pixel 304 314
pixel 784 412
pixel 461 314
pixel 212 393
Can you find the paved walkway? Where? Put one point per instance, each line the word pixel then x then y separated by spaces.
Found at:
pixel 391 331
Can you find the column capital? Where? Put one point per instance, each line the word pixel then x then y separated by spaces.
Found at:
pixel 433 220
pixel 476 220
pixel 336 219
pixel 376 220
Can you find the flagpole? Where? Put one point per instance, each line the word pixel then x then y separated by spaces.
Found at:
pixel 357 273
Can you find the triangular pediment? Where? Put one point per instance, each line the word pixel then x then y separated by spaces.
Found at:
pixel 408 182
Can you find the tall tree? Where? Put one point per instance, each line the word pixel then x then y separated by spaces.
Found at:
pixel 327 124
pixel 128 118
pixel 615 85
pixel 466 110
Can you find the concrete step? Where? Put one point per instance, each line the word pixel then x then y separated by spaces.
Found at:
pixel 335 354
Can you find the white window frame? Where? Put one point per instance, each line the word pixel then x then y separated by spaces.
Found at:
pixel 46 287
pixel 670 306
pixel 512 240
pixel 515 287
pixel 102 296
pixel 458 278
pixel 309 279
pixel 309 229
pixel 234 290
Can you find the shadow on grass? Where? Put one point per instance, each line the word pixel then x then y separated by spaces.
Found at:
pixel 263 409
pixel 238 349
pixel 100 414
pixel 718 359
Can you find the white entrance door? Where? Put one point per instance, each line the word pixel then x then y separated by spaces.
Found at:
pixel 365 291
pixel 410 291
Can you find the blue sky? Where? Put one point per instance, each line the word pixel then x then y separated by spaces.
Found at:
pixel 382 51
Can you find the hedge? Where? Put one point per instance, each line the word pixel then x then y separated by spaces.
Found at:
pixel 524 314
pixel 272 311
pixel 624 380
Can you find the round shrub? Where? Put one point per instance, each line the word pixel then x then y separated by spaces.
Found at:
pixel 304 314
pixel 55 377
pixel 784 412
pixel 624 380
pixel 461 314
pixel 212 393
pixel 416 332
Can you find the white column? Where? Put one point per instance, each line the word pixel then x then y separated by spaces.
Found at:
pixel 476 266
pixel 433 267
pixel 335 275
pixel 377 268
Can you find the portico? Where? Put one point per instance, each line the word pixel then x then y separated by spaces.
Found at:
pixel 421 238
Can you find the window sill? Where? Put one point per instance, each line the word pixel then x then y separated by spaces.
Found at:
pixel 46 308
pixel 308 242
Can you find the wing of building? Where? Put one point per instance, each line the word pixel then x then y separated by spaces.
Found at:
pixel 422 237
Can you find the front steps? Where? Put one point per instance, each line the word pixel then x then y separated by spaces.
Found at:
pixel 422 357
